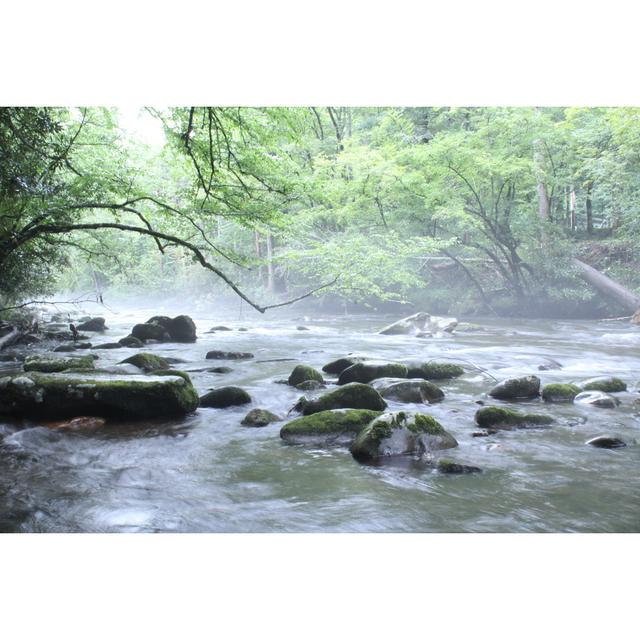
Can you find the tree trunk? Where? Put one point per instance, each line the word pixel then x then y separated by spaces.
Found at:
pixel 614 291
pixel 270 279
pixel 9 338
pixel 589 210
pixel 572 208
pixel 543 197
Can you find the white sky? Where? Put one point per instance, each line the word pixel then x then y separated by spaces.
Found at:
pixel 140 125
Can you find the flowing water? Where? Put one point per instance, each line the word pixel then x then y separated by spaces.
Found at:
pixel 208 473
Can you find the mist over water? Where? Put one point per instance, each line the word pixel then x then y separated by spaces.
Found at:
pixel 206 472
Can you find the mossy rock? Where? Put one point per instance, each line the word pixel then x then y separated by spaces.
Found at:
pixel 162 321
pixel 434 370
pixel 303 373
pixel 365 372
pixel 310 385
pixel 556 392
pixel 522 388
pixel 259 418
pixel 350 396
pixel 131 342
pixel 147 362
pixel 336 367
pixel 225 397
pixel 450 467
pixel 402 433
pixel 66 395
pixel 334 427
pixel 46 364
pixel 502 418
pixel 605 384
pixel 108 345
pixel 415 391
pixel 220 370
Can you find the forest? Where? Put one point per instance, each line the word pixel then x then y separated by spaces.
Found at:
pixel 476 211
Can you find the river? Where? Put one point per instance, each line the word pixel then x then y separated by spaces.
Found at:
pixel 207 473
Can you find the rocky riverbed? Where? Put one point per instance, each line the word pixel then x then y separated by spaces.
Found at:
pixel 397 433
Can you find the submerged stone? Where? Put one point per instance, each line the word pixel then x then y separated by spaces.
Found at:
pixel 370 370
pixel 517 388
pixel 228 355
pixel 403 433
pixel 333 427
pixel 336 367
pixel 310 385
pixel 220 370
pixel 604 383
pixel 350 396
pixel 66 395
pixel 303 373
pixel 606 442
pixel 455 468
pixel 108 345
pixel 147 362
pixel 503 418
pixel 46 364
pixel 434 370
pixel 400 390
pixel 225 397
pixel 259 418
pixel 559 392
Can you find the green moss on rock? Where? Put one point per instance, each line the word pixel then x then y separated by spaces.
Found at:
pixel 503 418
pixel 351 396
pixel 400 434
pixel 259 418
pixel 225 397
pixel 414 391
pixel 517 388
pixel 434 370
pixel 336 367
pixel 46 364
pixel 557 392
pixel 338 426
pixel 173 372
pixel 367 371
pixel 147 362
pixel 303 373
pixel 451 467
pixel 605 384
pixel 65 395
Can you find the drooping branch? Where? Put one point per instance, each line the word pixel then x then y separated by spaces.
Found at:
pixel 54 229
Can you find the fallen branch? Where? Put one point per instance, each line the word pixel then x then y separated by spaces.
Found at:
pixel 10 338
pixel 608 287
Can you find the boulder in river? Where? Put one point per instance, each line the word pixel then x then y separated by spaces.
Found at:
pixel 333 427
pixel 422 324
pixel 401 433
pixel 434 370
pixel 228 355
pixel 132 342
pixel 108 345
pixel 350 396
pixel 556 392
pixel 149 331
pixel 163 321
pixel 606 442
pixel 182 329
pixel 220 327
pixel 259 418
pixel 94 324
pixel 597 399
pixel 493 418
pixel 147 362
pixel 67 395
pixel 46 364
pixel 522 388
pixel 220 370
pixel 401 390
pixel 225 397
pixel 336 367
pixel 370 370
pixel 604 383
pixel 303 373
